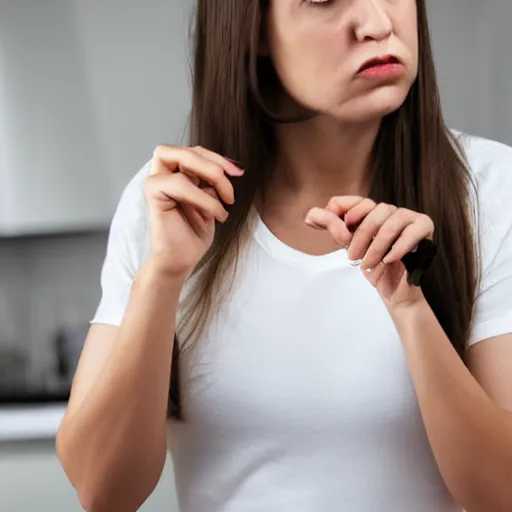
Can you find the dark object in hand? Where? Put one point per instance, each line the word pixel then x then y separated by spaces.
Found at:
pixel 417 262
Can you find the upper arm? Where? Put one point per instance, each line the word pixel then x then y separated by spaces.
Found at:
pixel 490 362
pixel 490 345
pixel 125 251
pixel 94 354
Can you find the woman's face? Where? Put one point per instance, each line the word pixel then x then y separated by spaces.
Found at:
pixel 318 48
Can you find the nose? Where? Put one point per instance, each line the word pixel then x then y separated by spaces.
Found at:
pixel 372 21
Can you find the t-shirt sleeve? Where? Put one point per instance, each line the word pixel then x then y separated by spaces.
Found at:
pixel 126 250
pixel 493 315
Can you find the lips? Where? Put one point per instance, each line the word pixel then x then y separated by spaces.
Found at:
pixel 379 61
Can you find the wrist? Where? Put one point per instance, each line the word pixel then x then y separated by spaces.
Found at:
pixel 410 316
pixel 153 274
pixel 409 311
pixel 407 303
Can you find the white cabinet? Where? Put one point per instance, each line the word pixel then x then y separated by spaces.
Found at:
pixel 32 480
pixel 87 90
pixel 138 65
pixel 51 165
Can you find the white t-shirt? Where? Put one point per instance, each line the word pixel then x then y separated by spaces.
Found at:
pixel 300 398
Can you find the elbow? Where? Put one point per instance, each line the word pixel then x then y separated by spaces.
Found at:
pixel 91 504
pixel 114 490
pixel 110 497
pixel 109 481
pixel 92 501
pixel 96 498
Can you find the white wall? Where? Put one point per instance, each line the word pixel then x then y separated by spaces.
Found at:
pixel 472 42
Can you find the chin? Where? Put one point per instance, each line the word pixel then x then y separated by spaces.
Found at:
pixel 374 105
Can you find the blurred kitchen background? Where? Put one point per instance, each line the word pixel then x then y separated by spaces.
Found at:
pixel 88 88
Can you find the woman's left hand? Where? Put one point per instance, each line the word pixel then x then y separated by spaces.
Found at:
pixel 382 235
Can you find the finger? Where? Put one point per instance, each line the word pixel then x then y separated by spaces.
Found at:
pixel 199 222
pixel 168 154
pixel 211 192
pixel 368 229
pixel 422 227
pixel 355 215
pixel 388 234
pixel 340 205
pixel 374 274
pixel 178 188
pixel 197 166
pixel 230 166
pixel 322 218
pixel 157 166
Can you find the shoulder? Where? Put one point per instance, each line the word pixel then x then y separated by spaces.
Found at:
pixel 129 231
pixel 132 197
pixel 127 248
pixel 490 163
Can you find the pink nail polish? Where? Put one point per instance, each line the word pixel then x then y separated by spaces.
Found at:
pixel 239 167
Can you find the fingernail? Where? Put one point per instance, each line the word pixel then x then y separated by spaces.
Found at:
pixel 356 263
pixel 239 166
pixel 236 162
pixel 234 173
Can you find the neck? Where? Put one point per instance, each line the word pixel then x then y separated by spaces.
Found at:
pixel 320 158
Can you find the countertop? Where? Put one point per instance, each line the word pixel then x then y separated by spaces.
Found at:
pixel 30 422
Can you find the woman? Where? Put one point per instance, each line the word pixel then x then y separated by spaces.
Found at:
pixel 305 382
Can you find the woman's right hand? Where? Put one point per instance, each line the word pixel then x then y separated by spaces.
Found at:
pixel 185 191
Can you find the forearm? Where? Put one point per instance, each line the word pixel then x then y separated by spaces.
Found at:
pixel 471 437
pixel 113 442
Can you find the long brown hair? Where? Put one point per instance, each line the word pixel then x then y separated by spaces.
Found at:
pixel 418 164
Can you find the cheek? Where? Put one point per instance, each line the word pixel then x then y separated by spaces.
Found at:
pixel 413 47
pixel 409 31
pixel 307 59
pixel 308 64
